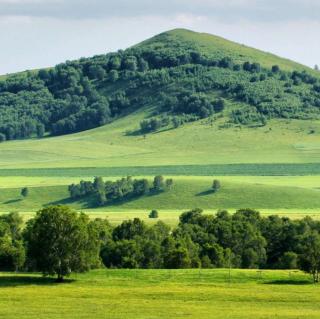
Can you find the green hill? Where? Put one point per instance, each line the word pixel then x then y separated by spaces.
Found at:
pixel 179 76
pixel 179 104
pixel 219 47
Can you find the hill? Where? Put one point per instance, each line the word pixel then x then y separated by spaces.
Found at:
pixel 179 104
pixel 179 76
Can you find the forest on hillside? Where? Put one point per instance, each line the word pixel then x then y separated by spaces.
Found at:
pixel 181 82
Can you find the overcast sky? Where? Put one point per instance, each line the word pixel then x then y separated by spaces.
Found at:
pixel 40 33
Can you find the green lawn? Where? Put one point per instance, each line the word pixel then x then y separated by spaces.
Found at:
pixel 133 294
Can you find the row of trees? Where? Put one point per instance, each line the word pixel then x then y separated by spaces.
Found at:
pixel 59 241
pixel 104 192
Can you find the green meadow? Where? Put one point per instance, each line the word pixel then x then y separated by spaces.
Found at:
pixel 218 293
pixel 293 195
pixel 269 168
pixel 280 142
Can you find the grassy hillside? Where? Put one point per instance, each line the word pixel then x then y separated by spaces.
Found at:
pixel 162 294
pixel 188 192
pixel 195 143
pixel 180 76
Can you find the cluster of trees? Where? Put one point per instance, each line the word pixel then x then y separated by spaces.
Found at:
pixel 242 240
pixel 86 93
pixel 12 251
pixel 188 102
pixel 104 192
pixel 59 241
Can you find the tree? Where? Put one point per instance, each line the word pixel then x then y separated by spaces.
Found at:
pixel 219 105
pixel 59 242
pixel 169 183
pixel 289 260
pixel 2 138
pixel 316 67
pixel 178 258
pixel 275 68
pixel 101 197
pixel 114 76
pixel 40 130
pixel 215 254
pixel 25 191
pixel 158 183
pixel 99 184
pixel 216 185
pixel 12 252
pixel 129 229
pixel 309 259
pixel 154 214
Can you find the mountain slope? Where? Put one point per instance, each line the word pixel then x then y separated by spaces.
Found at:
pixel 182 76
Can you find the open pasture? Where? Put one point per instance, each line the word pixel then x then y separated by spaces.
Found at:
pixel 157 294
pixel 299 193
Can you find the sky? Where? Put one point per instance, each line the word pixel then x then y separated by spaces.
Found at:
pixel 42 33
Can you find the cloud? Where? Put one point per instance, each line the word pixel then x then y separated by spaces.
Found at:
pixel 40 33
pixel 250 10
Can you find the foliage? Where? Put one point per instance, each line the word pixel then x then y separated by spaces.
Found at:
pixel 154 214
pixel 12 253
pixel 168 72
pixel 59 241
pixel 123 189
pixel 216 185
pixel 25 191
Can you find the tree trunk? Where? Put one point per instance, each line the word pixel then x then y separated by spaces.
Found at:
pixel 60 278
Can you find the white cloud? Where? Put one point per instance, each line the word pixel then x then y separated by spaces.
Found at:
pixel 39 33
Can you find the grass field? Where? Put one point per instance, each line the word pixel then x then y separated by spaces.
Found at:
pixel 166 294
pixel 260 192
pixel 193 144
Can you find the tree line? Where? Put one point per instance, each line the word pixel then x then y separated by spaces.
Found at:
pixel 59 241
pixel 105 192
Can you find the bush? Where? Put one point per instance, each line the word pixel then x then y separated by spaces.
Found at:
pixel 154 214
pixel 216 185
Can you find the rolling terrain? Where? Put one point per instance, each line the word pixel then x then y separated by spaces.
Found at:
pixel 272 167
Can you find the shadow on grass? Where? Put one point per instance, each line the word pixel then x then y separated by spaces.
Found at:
pixel 289 282
pixel 90 202
pixel 16 281
pixel 12 201
pixel 206 193
pixel 120 202
pixel 135 133
pixel 85 202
